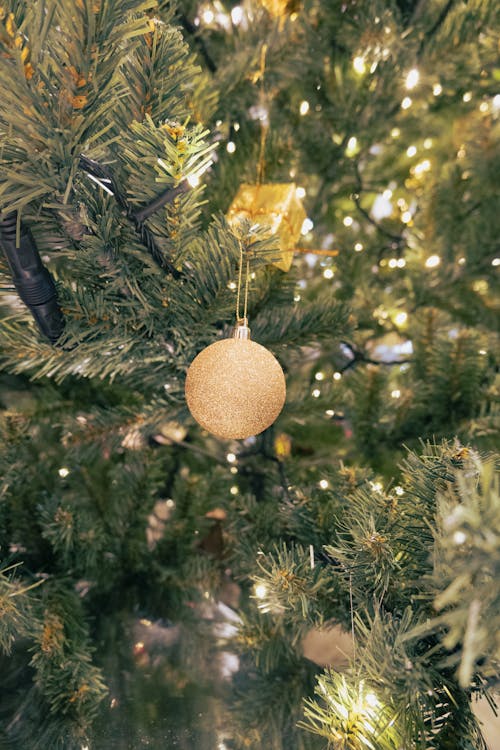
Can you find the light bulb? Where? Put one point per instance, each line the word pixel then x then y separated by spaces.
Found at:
pixel 237 15
pixel 307 225
pixel 432 261
pixel 412 79
pixel 359 64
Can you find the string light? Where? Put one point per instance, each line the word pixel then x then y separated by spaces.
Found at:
pixel 231 458
pixel 467 96
pixel 393 263
pixel 437 89
pixel 495 103
pixel 495 262
pixel 399 491
pixel 401 318
pixel 63 472
pixel 328 273
pixel 260 590
pixel 411 151
pixel 304 107
pixel 347 221
pixel 459 537
pixel 237 15
pixel 234 490
pixel 382 206
pixel 337 375
pixel 372 700
pixel 396 393
pixel 300 193
pixel 324 484
pixel 412 79
pixel 423 166
pixel 319 376
pixel 194 179
pixel 330 413
pixel 352 146
pixel 307 225
pixel 316 393
pixel 432 261
pixel 208 16
pixel 395 133
pixel 406 217
pixel 406 103
pixel 401 263
pixel 358 247
pixel 428 143
pixel 359 65
pixel 231 147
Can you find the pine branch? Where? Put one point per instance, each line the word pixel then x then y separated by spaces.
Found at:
pixel 105 178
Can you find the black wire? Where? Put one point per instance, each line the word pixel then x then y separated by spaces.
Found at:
pixel 138 218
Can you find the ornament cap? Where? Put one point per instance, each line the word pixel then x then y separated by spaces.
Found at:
pixel 241 331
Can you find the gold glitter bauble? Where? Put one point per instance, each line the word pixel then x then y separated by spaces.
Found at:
pixel 235 388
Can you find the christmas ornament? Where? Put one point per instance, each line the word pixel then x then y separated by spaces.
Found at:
pixel 235 388
pixel 275 206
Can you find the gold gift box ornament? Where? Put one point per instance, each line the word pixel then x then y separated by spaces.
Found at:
pixel 275 206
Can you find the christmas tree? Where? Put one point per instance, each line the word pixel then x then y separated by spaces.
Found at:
pixel 328 171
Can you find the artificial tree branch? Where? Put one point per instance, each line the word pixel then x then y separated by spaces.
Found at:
pixel 398 239
pixel 105 178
